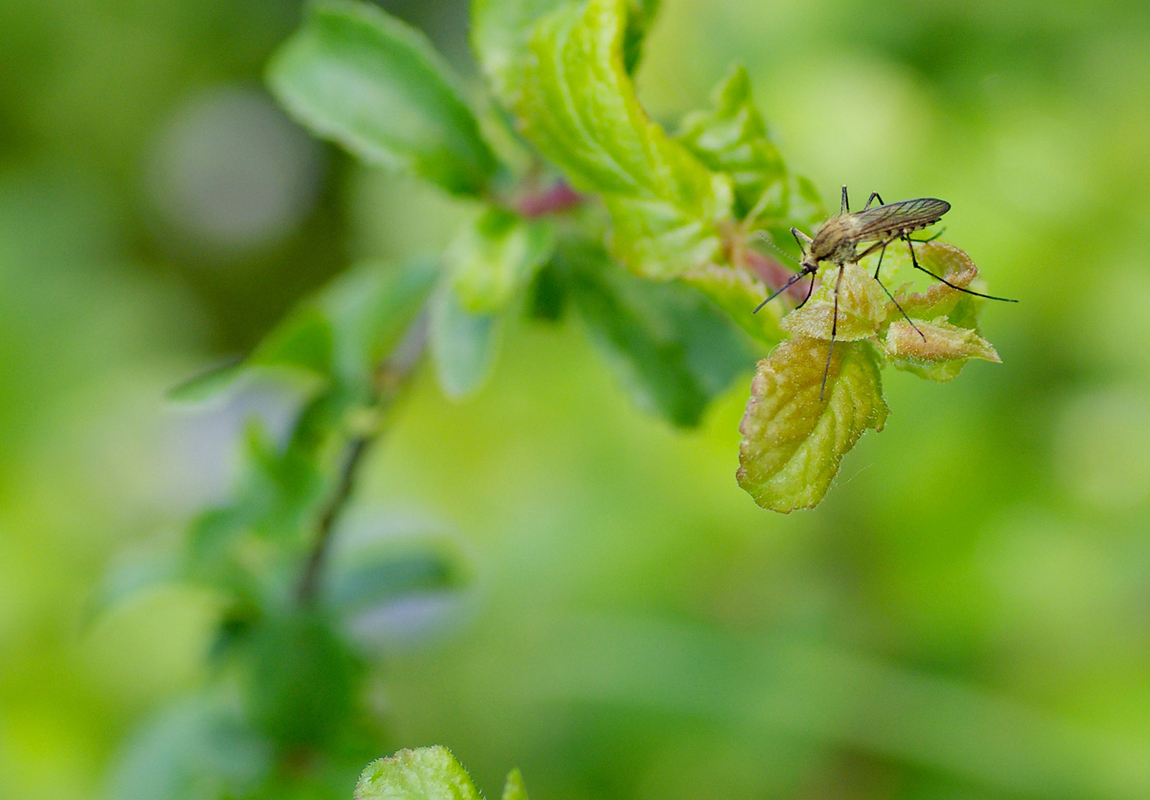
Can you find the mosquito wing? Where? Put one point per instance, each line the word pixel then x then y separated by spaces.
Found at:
pixel 909 215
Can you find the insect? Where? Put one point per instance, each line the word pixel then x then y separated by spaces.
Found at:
pixel 839 238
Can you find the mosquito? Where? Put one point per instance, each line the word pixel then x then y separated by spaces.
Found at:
pixel 839 238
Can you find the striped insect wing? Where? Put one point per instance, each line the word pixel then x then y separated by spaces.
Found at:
pixel 909 215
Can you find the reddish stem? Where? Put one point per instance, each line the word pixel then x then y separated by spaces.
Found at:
pixel 553 199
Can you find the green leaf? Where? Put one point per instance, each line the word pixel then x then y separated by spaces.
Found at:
pixel 371 306
pixel 279 492
pixel 639 21
pixel 197 749
pixel 737 293
pixel 464 345
pixel 669 346
pixel 578 106
pixel 793 441
pixel 207 384
pixel 732 138
pixel 514 789
pixel 500 31
pixel 368 578
pixel 943 353
pixel 428 773
pixel 863 307
pixel 358 76
pixel 303 679
pixel 494 258
pixel 304 341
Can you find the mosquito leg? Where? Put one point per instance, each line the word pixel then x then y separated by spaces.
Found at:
pixel 810 289
pixel 921 268
pixel 873 196
pixel 845 208
pixel 940 232
pixel 834 332
pixel 881 253
pixel 826 370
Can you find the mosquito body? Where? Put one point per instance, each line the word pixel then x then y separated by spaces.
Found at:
pixel 840 238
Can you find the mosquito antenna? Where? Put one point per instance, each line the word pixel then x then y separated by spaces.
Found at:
pixel 921 268
pixel 771 243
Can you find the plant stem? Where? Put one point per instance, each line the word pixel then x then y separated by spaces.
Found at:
pixel 391 377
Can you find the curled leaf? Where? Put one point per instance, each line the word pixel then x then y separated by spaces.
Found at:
pixel 862 307
pixel 942 259
pixel 944 352
pixel 576 103
pixel 731 137
pixel 793 441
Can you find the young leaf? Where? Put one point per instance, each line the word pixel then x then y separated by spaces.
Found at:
pixel 944 352
pixel 356 75
pixel 200 748
pixel 514 789
pixel 428 773
pixel 863 307
pixel 793 441
pixel 370 307
pixel 578 106
pixel 303 679
pixel 737 293
pixel 371 578
pixel 463 344
pixel 669 346
pixel 732 138
pixel 493 259
pixel 500 30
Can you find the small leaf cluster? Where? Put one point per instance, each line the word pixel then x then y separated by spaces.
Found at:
pixel 814 397
pixel 426 773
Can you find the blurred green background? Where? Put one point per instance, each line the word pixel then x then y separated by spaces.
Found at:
pixel 966 615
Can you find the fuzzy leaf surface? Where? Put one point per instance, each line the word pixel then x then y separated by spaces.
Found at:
pixel 942 354
pixel 793 441
pixel 360 77
pixel 578 106
pixel 427 773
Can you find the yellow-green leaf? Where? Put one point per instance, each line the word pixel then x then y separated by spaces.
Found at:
pixel 793 441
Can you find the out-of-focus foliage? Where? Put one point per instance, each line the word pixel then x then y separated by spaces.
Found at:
pixel 964 616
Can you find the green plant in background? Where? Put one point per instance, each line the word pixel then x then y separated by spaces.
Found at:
pixel 583 205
